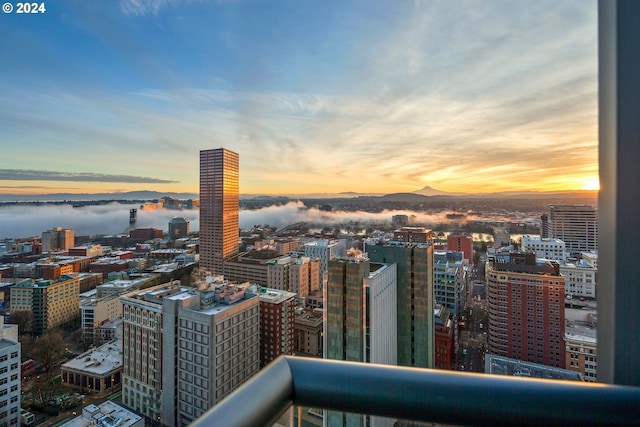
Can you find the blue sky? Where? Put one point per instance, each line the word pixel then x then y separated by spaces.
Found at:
pixel 316 96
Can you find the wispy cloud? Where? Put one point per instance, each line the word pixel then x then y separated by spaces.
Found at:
pixel 149 7
pixel 448 94
pixel 41 175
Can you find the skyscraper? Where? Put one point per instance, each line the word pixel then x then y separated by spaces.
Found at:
pixel 360 321
pixel 576 226
pixel 184 349
pixel 415 299
pixel 219 206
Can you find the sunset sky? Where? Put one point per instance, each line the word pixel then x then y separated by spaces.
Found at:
pixel 315 96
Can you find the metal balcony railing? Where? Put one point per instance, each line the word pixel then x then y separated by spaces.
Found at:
pixel 425 395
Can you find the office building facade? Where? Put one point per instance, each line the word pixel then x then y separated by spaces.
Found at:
pixel 52 302
pixel 58 239
pixel 360 310
pixel 547 248
pixel 324 251
pixel 211 346
pixel 178 227
pixel 219 207
pixel 450 280
pixel 415 299
pixel 575 225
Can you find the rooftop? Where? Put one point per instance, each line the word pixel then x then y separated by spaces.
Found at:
pixel 273 295
pixel 499 365
pixel 107 414
pixel 98 361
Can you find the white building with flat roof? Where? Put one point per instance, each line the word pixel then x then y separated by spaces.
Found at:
pixel 98 370
pixel 580 278
pixel 547 248
pixel 107 414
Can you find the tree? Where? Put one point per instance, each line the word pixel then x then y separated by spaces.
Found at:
pixel 24 320
pixel 49 349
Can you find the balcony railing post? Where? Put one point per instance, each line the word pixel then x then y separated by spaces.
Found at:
pixel 619 202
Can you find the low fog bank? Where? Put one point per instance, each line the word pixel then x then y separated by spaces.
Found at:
pixel 32 220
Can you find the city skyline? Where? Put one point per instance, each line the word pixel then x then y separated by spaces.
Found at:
pixel 315 97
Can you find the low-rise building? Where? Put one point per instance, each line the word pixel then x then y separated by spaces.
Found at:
pixel 581 342
pixel 500 365
pixel 308 332
pixel 445 338
pixel 107 414
pixel 95 312
pixel 98 370
pixel 580 279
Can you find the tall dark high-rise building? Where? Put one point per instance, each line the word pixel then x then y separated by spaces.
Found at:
pixel 219 207
pixel 415 299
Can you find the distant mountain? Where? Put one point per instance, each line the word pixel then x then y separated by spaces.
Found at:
pixel 429 191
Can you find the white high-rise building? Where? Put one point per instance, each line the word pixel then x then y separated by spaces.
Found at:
pixel 9 375
pixel 575 225
pixel 547 248
pixel 325 251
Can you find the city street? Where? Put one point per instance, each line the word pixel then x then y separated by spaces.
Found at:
pixel 473 335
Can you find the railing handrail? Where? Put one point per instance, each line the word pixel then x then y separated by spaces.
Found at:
pixel 421 395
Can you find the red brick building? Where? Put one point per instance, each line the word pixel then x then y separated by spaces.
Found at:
pixel 526 309
pixel 144 234
pixel 445 338
pixel 277 324
pixel 462 244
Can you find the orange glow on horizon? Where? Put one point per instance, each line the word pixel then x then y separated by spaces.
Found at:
pixel 592 183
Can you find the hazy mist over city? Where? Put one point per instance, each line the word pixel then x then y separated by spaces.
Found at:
pixel 32 220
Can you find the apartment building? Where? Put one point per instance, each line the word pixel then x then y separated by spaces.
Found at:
pixel 52 302
pixel 526 309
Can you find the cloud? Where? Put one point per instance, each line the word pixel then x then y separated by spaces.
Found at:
pixel 149 7
pixel 448 94
pixel 40 175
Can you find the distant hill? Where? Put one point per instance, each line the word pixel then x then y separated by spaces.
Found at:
pixel 403 197
pixel 129 195
pixel 415 196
